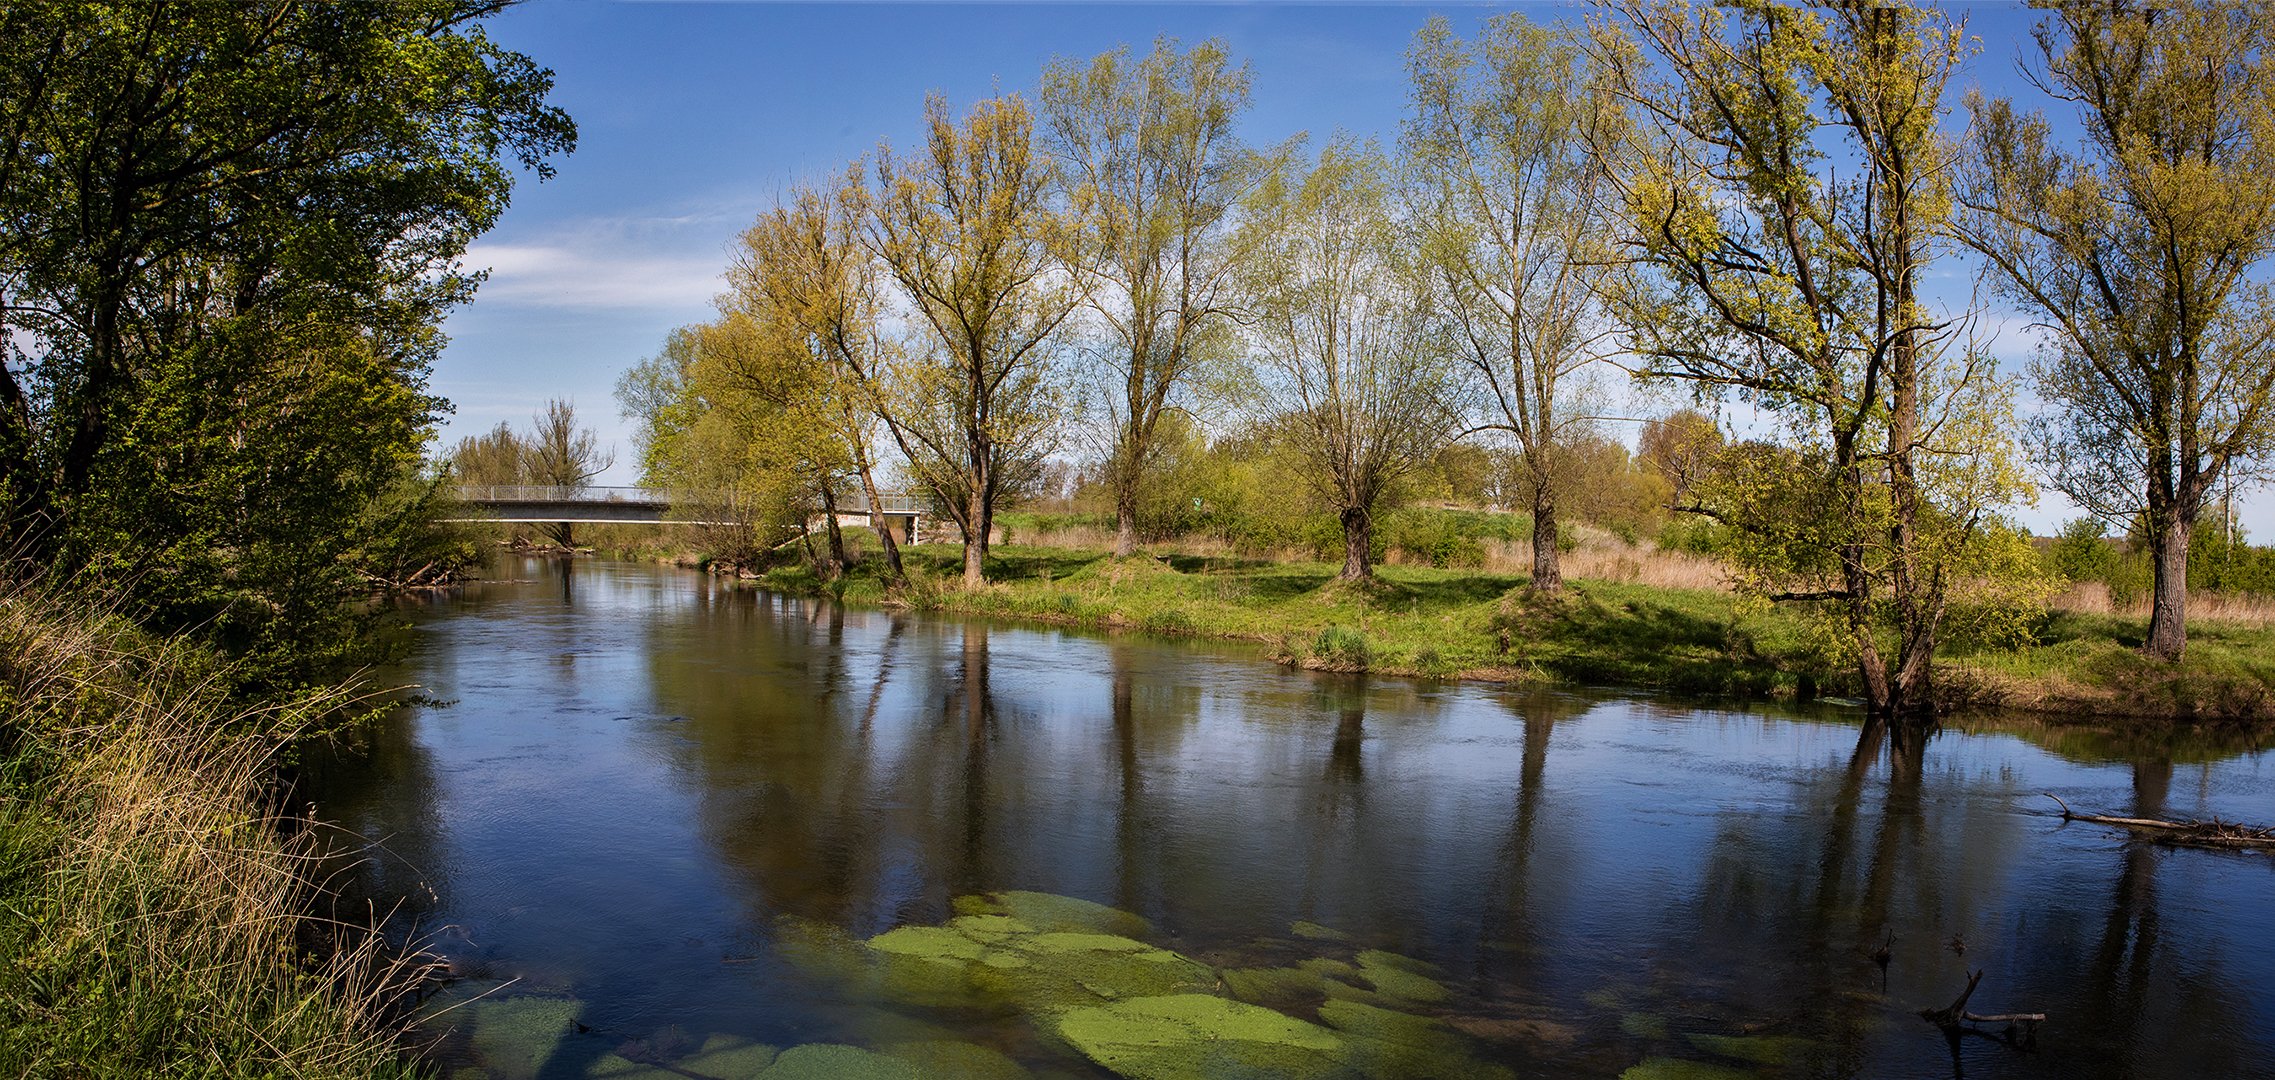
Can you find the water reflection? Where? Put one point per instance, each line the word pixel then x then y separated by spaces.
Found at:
pixel 646 771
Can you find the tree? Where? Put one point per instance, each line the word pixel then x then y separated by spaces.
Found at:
pixel 491 459
pixel 804 277
pixel 558 453
pixel 1513 226
pixel 1153 171
pixel 1786 187
pixel 1681 447
pixel 967 233
pixel 1353 354
pixel 2144 255
pixel 228 233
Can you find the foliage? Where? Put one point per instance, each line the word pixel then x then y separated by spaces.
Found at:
pixel 553 453
pixel 966 232
pixel 2080 553
pixel 1772 270
pixel 1681 447
pixel 228 233
pixel 2145 252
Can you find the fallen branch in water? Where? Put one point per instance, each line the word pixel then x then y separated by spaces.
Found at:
pixel 2214 833
pixel 1951 1016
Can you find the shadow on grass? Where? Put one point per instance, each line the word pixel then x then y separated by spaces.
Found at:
pixel 1449 592
pixel 1035 563
pixel 1584 637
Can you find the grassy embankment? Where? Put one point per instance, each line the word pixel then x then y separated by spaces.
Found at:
pixel 154 919
pixel 1632 617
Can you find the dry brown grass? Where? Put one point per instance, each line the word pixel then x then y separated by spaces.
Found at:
pixel 2092 598
pixel 171 911
pixel 1608 559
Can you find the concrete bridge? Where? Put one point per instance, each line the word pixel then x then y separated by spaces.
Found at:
pixel 540 504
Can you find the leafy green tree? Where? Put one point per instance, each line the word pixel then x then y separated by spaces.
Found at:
pixel 228 232
pixel 2145 253
pixel 1153 171
pixel 1354 358
pixel 1512 222
pixel 1785 188
pixel 967 233
pixel 807 282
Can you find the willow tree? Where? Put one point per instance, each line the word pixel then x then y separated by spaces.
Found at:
pixel 1512 221
pixel 1153 171
pixel 1786 187
pixel 2144 252
pixel 967 232
pixel 810 286
pixel 1353 361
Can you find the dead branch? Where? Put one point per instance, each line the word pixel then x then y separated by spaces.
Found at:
pixel 2214 833
pixel 1951 1016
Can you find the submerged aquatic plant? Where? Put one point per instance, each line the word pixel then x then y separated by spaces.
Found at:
pixel 1084 976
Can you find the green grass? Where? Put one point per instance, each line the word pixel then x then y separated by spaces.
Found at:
pixel 1418 620
pixel 1413 620
pixel 2092 664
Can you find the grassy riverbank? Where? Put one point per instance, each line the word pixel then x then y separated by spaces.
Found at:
pixel 153 922
pixel 1461 623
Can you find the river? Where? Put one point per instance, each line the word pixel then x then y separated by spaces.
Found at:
pixel 657 824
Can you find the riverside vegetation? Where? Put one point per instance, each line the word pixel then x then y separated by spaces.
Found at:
pixel 162 916
pixel 1451 602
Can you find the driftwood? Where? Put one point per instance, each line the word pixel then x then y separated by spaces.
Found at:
pixel 1951 1016
pixel 2212 834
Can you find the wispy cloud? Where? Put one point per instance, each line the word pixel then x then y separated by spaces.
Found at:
pixel 601 278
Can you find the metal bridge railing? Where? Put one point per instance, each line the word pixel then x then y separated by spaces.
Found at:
pixel 855 502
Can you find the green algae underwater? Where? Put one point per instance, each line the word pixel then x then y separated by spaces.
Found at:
pixel 1092 991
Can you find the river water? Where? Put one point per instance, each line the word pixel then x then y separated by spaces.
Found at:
pixel 634 800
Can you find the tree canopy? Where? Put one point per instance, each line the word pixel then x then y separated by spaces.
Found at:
pixel 228 232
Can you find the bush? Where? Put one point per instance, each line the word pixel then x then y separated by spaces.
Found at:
pixel 2080 553
pixel 1692 535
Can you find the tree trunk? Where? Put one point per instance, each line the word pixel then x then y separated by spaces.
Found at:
pixel 1125 520
pixel 975 539
pixel 836 534
pixel 2168 610
pixel 884 529
pixel 1547 570
pixel 1358 544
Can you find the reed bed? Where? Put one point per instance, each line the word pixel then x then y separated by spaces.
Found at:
pixel 2241 609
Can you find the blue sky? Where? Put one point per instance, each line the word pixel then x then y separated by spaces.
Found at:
pixel 692 117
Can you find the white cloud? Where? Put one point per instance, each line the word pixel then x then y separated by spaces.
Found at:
pixel 598 277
